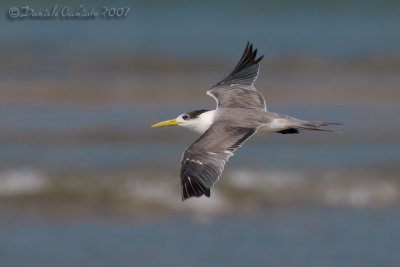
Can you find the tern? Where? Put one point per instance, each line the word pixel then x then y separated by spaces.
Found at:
pixel 241 113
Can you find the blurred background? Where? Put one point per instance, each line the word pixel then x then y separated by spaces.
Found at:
pixel 85 181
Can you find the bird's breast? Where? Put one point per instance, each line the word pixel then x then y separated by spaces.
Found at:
pixel 263 130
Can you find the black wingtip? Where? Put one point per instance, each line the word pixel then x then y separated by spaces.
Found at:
pixel 192 188
pixel 248 58
pixel 187 196
pixel 246 69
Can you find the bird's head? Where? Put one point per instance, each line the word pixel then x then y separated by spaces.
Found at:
pixel 198 120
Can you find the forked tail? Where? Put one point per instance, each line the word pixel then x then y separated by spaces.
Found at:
pixel 317 126
pixel 297 125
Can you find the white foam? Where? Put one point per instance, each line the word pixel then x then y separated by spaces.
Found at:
pixel 273 180
pixel 17 182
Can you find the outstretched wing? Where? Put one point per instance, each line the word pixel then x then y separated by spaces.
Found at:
pixel 237 90
pixel 203 162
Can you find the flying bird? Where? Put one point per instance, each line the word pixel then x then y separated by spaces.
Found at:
pixel 241 113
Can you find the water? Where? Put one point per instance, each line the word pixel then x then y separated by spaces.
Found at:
pixel 310 237
pixel 344 29
pixel 111 137
pixel 77 98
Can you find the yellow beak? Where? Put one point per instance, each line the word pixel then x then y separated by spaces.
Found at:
pixel 167 123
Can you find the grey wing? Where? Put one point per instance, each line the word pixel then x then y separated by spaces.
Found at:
pixel 237 90
pixel 203 162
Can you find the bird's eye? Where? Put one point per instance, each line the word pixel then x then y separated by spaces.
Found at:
pixel 185 117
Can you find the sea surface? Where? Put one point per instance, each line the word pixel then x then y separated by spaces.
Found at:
pixel 308 237
pixel 112 137
pixel 184 29
pixel 79 96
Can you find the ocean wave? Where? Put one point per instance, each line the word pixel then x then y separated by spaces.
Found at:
pixel 240 190
pixel 21 182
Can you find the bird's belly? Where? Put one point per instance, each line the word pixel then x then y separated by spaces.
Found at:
pixel 274 126
pixel 264 130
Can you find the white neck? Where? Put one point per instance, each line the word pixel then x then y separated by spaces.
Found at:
pixel 201 123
